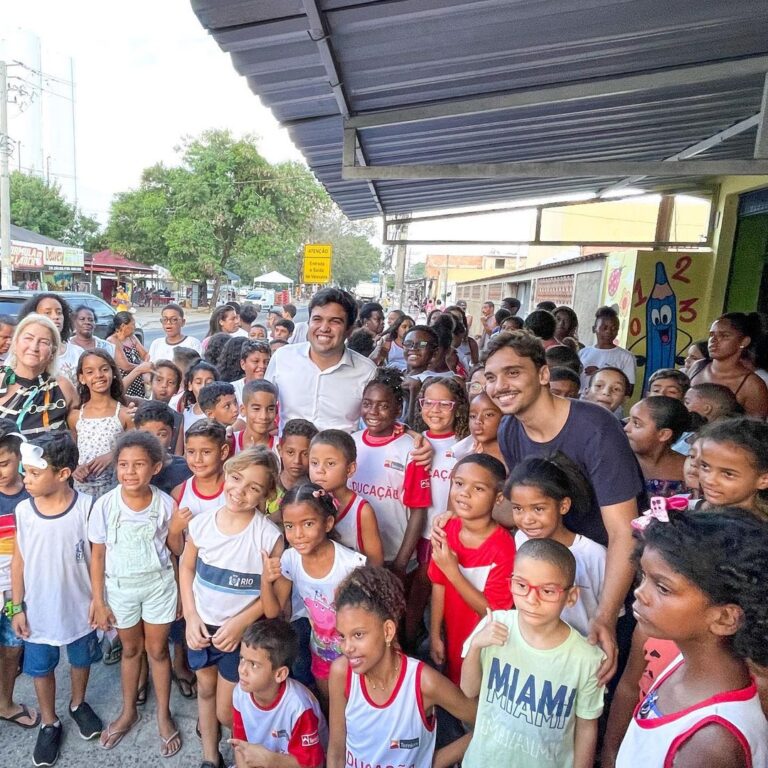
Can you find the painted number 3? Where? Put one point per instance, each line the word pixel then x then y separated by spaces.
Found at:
pixel 685 311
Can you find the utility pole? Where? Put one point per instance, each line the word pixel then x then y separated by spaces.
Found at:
pixel 6 277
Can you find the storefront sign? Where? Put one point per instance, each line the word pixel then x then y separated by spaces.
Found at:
pixel 27 256
pixel 63 258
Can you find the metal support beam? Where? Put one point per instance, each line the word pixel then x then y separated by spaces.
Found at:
pixel 559 243
pixel 557 94
pixel 761 142
pixel 319 34
pixel 692 151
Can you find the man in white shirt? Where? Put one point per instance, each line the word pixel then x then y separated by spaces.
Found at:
pixel 321 380
pixel 172 319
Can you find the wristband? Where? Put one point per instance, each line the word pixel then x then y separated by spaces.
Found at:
pixel 10 609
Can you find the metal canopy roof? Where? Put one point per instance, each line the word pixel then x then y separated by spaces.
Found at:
pixel 317 63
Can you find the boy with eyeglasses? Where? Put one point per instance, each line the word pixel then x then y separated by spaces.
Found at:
pixel 535 676
pixel 172 320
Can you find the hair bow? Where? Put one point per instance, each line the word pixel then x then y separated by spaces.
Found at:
pixel 660 509
pixel 32 456
pixel 320 493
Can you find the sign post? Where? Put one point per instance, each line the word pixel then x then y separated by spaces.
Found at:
pixel 317 263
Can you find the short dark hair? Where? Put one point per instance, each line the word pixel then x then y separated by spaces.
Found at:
pixel 327 296
pixel 361 341
pixel 59 450
pixel 248 313
pixel 679 377
pixel 561 373
pixel 564 357
pixel 135 438
pixel 276 638
pixel 254 345
pixel 8 320
pixel 523 343
pixel 607 313
pixel 516 320
pixel 208 428
pixel 174 306
pixel 489 304
pixel 489 463
pixel 186 356
pixel 153 410
pixel 285 323
pixel 250 388
pixel 339 439
pixel 369 308
pixel 613 369
pixel 547 306
pixel 8 441
pixel 211 393
pixel 512 303
pixel 275 344
pixel 721 398
pixel 542 323
pixel 173 367
pixel 290 309
pixel 501 314
pixel 552 552
pixel 299 428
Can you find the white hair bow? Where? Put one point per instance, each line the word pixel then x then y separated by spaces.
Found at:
pixel 32 456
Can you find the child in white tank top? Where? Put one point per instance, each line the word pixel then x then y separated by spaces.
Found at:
pixel 381 701
pixel 703 588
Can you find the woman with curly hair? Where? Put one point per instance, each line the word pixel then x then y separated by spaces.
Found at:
pixel 382 701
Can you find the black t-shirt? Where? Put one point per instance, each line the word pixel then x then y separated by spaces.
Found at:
pixel 172 474
pixel 593 439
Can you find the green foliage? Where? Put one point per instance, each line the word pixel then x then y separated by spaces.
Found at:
pixel 224 206
pixel 416 271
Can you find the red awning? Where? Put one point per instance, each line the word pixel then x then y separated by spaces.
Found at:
pixel 114 262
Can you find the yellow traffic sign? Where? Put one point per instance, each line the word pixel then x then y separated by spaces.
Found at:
pixel 317 262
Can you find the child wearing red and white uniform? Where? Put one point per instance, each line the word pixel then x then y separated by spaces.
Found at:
pixel 396 487
pixel 332 461
pixel 271 713
pixel 258 409
pixel 470 570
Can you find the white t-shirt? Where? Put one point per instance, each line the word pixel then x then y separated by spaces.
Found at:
pixel 57 580
pixel 160 349
pixel 348 523
pixel 99 519
pixel 318 596
pixel 238 384
pixel 590 577
pixel 228 568
pixel 196 502
pixel 618 357
pixel 66 364
pixel 443 462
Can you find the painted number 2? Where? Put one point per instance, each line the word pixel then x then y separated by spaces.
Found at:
pixel 681 265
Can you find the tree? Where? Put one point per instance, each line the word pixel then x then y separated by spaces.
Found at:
pixel 39 206
pixel 224 206
pixel 417 270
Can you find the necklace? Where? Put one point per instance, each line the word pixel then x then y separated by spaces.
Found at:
pixel 387 684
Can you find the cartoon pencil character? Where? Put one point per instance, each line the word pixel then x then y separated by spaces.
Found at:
pixel 660 327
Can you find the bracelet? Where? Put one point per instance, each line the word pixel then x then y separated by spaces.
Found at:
pixel 10 609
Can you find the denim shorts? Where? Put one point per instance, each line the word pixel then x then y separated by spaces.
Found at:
pixel 41 659
pixel 8 638
pixel 227 662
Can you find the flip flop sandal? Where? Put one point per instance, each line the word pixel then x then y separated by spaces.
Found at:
pixel 164 750
pixel 200 735
pixel 113 738
pixel 141 695
pixel 25 712
pixel 186 687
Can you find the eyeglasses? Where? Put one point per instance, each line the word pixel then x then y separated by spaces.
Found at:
pixel 437 405
pixel 170 320
pixel 547 593
pixel 416 344
pixel 475 387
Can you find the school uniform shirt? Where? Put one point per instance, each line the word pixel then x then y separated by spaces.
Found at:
pixel 239 438
pixel 488 569
pixel 57 581
pixel 396 733
pixel 292 724
pixel 590 577
pixel 160 349
pixel 8 503
pixel 99 521
pixel 593 439
pixel 530 699
pixel 618 357
pixel 348 524
pixel 330 398
pixel 228 567
pixel 659 739
pixel 198 503
pixel 443 462
pixel 318 596
pixel 392 483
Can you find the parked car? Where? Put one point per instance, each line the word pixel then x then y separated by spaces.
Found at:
pixel 11 301
pixel 260 298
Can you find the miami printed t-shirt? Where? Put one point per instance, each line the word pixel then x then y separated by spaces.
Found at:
pixel 488 568
pixel 392 483
pixel 318 596
pixel 8 503
pixel 228 567
pixel 530 699
pixel 292 725
pixel 443 462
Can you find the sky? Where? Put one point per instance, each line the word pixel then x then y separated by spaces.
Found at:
pixel 146 74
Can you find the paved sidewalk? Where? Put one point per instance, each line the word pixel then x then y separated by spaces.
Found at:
pixel 140 748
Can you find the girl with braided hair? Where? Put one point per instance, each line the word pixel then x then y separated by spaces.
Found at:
pixel 382 701
pixel 702 586
pixel 386 475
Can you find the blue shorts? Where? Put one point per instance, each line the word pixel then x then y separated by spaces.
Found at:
pixel 177 635
pixel 227 662
pixel 8 638
pixel 41 659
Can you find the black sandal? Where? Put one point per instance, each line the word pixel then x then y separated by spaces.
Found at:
pixel 25 712
pixel 187 688
pixel 141 695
